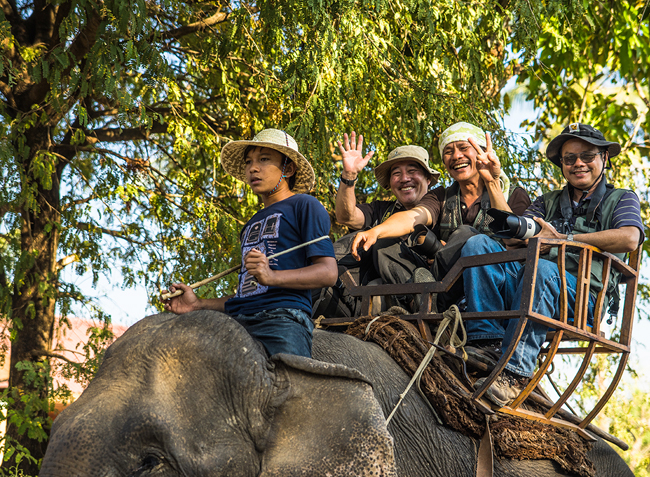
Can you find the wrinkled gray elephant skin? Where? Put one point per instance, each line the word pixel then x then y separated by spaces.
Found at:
pixel 195 395
pixel 422 448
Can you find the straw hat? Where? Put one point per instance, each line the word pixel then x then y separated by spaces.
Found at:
pixel 232 157
pixel 403 153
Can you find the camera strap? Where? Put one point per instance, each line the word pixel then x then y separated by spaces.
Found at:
pixel 591 212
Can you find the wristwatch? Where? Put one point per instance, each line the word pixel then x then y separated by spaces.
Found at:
pixel 348 182
pixel 569 236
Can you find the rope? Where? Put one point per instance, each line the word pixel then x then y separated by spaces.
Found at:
pixel 452 314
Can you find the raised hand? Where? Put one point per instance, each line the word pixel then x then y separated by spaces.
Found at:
pixel 352 155
pixel 487 162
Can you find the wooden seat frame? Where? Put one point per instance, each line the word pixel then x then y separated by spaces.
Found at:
pixel 588 341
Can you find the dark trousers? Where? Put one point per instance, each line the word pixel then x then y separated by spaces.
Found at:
pixel 283 330
pixel 445 259
pixel 391 260
pixel 394 262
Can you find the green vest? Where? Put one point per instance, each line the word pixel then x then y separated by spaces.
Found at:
pixel 451 217
pixel 594 218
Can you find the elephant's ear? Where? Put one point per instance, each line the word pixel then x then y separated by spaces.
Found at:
pixel 328 424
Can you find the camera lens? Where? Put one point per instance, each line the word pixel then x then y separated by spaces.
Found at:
pixel 509 225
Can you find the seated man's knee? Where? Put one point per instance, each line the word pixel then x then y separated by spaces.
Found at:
pixel 480 244
pixel 547 270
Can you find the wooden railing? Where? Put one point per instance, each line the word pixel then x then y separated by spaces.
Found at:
pixel 586 340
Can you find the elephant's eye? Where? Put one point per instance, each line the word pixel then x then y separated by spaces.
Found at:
pixel 148 464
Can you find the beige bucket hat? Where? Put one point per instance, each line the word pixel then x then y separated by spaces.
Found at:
pixel 232 157
pixel 403 153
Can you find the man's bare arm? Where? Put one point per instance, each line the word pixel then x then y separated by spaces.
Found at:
pixel 624 239
pixel 397 225
pixel 323 272
pixel 353 161
pixel 620 240
pixel 346 210
pixel 188 301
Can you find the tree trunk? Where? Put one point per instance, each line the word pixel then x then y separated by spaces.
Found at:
pixel 35 294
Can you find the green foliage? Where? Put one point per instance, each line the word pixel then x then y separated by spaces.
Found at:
pixel 136 116
pixel 629 420
pixel 113 115
pixel 25 410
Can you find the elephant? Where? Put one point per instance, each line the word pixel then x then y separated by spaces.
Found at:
pixel 195 395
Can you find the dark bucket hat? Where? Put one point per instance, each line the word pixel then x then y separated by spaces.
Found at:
pixel 586 133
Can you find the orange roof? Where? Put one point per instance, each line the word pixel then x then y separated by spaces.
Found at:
pixel 68 343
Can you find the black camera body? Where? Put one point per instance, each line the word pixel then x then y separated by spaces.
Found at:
pixel 423 241
pixel 508 225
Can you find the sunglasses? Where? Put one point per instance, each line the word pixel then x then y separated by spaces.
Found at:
pixel 586 157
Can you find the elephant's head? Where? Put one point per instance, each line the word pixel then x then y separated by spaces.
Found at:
pixel 195 395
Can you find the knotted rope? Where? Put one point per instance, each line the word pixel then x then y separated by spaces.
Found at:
pixel 449 316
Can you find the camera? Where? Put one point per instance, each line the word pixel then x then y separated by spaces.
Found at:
pixel 423 241
pixel 508 225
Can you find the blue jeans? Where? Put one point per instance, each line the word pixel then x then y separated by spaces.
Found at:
pixel 499 287
pixel 283 330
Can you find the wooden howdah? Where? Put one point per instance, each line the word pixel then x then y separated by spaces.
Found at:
pixel 571 335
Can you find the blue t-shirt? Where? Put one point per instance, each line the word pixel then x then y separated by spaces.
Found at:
pixel 278 227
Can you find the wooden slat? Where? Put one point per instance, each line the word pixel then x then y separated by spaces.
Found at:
pixel 584 367
pixel 608 393
pixel 539 374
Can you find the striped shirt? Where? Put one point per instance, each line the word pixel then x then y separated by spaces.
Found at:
pixel 627 212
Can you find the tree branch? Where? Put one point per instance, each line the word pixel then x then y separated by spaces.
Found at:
pixel 10 11
pixel 120 135
pixel 8 93
pixel 65 261
pixel 4 208
pixel 113 233
pixel 640 92
pixel 50 354
pixel 41 22
pixel 176 33
pixel 84 41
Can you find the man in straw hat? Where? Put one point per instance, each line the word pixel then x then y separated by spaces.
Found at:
pixel 588 210
pixel 273 299
pixel 456 212
pixel 407 174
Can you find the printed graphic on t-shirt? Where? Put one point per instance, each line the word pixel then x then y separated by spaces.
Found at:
pixel 253 234
pixel 271 226
pixel 255 237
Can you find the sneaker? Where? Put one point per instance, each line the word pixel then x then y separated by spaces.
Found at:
pixel 505 388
